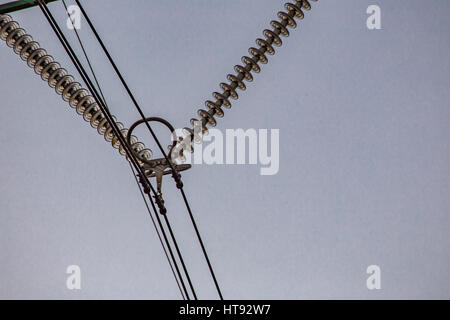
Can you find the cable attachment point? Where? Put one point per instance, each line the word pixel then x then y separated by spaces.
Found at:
pixel 160 203
pixel 143 182
pixel 157 168
pixel 177 177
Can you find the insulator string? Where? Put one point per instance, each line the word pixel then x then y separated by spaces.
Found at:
pixel 250 64
pixel 64 84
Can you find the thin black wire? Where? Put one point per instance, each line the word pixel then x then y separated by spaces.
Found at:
pixel 166 219
pixel 179 253
pixel 201 244
pixel 108 116
pixel 85 54
pixel 119 74
pixel 157 141
pixel 105 111
pixel 80 68
pixel 131 167
pixel 168 225
pixel 86 79
pixel 157 231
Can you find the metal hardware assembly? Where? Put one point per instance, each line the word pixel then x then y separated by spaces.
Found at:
pixel 158 167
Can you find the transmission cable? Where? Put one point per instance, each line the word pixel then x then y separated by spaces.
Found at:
pixel 84 53
pixel 131 167
pixel 175 174
pixel 157 231
pixel 110 121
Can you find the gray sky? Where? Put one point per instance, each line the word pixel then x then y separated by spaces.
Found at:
pixel 364 155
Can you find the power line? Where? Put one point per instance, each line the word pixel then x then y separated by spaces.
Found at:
pixel 85 54
pixel 159 236
pixel 108 117
pixel 125 85
pixel 179 254
pixel 131 167
pixel 201 244
pixel 175 174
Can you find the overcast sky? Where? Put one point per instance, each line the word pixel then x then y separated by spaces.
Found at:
pixel 364 125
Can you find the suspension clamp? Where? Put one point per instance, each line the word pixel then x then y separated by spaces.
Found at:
pixel 157 168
